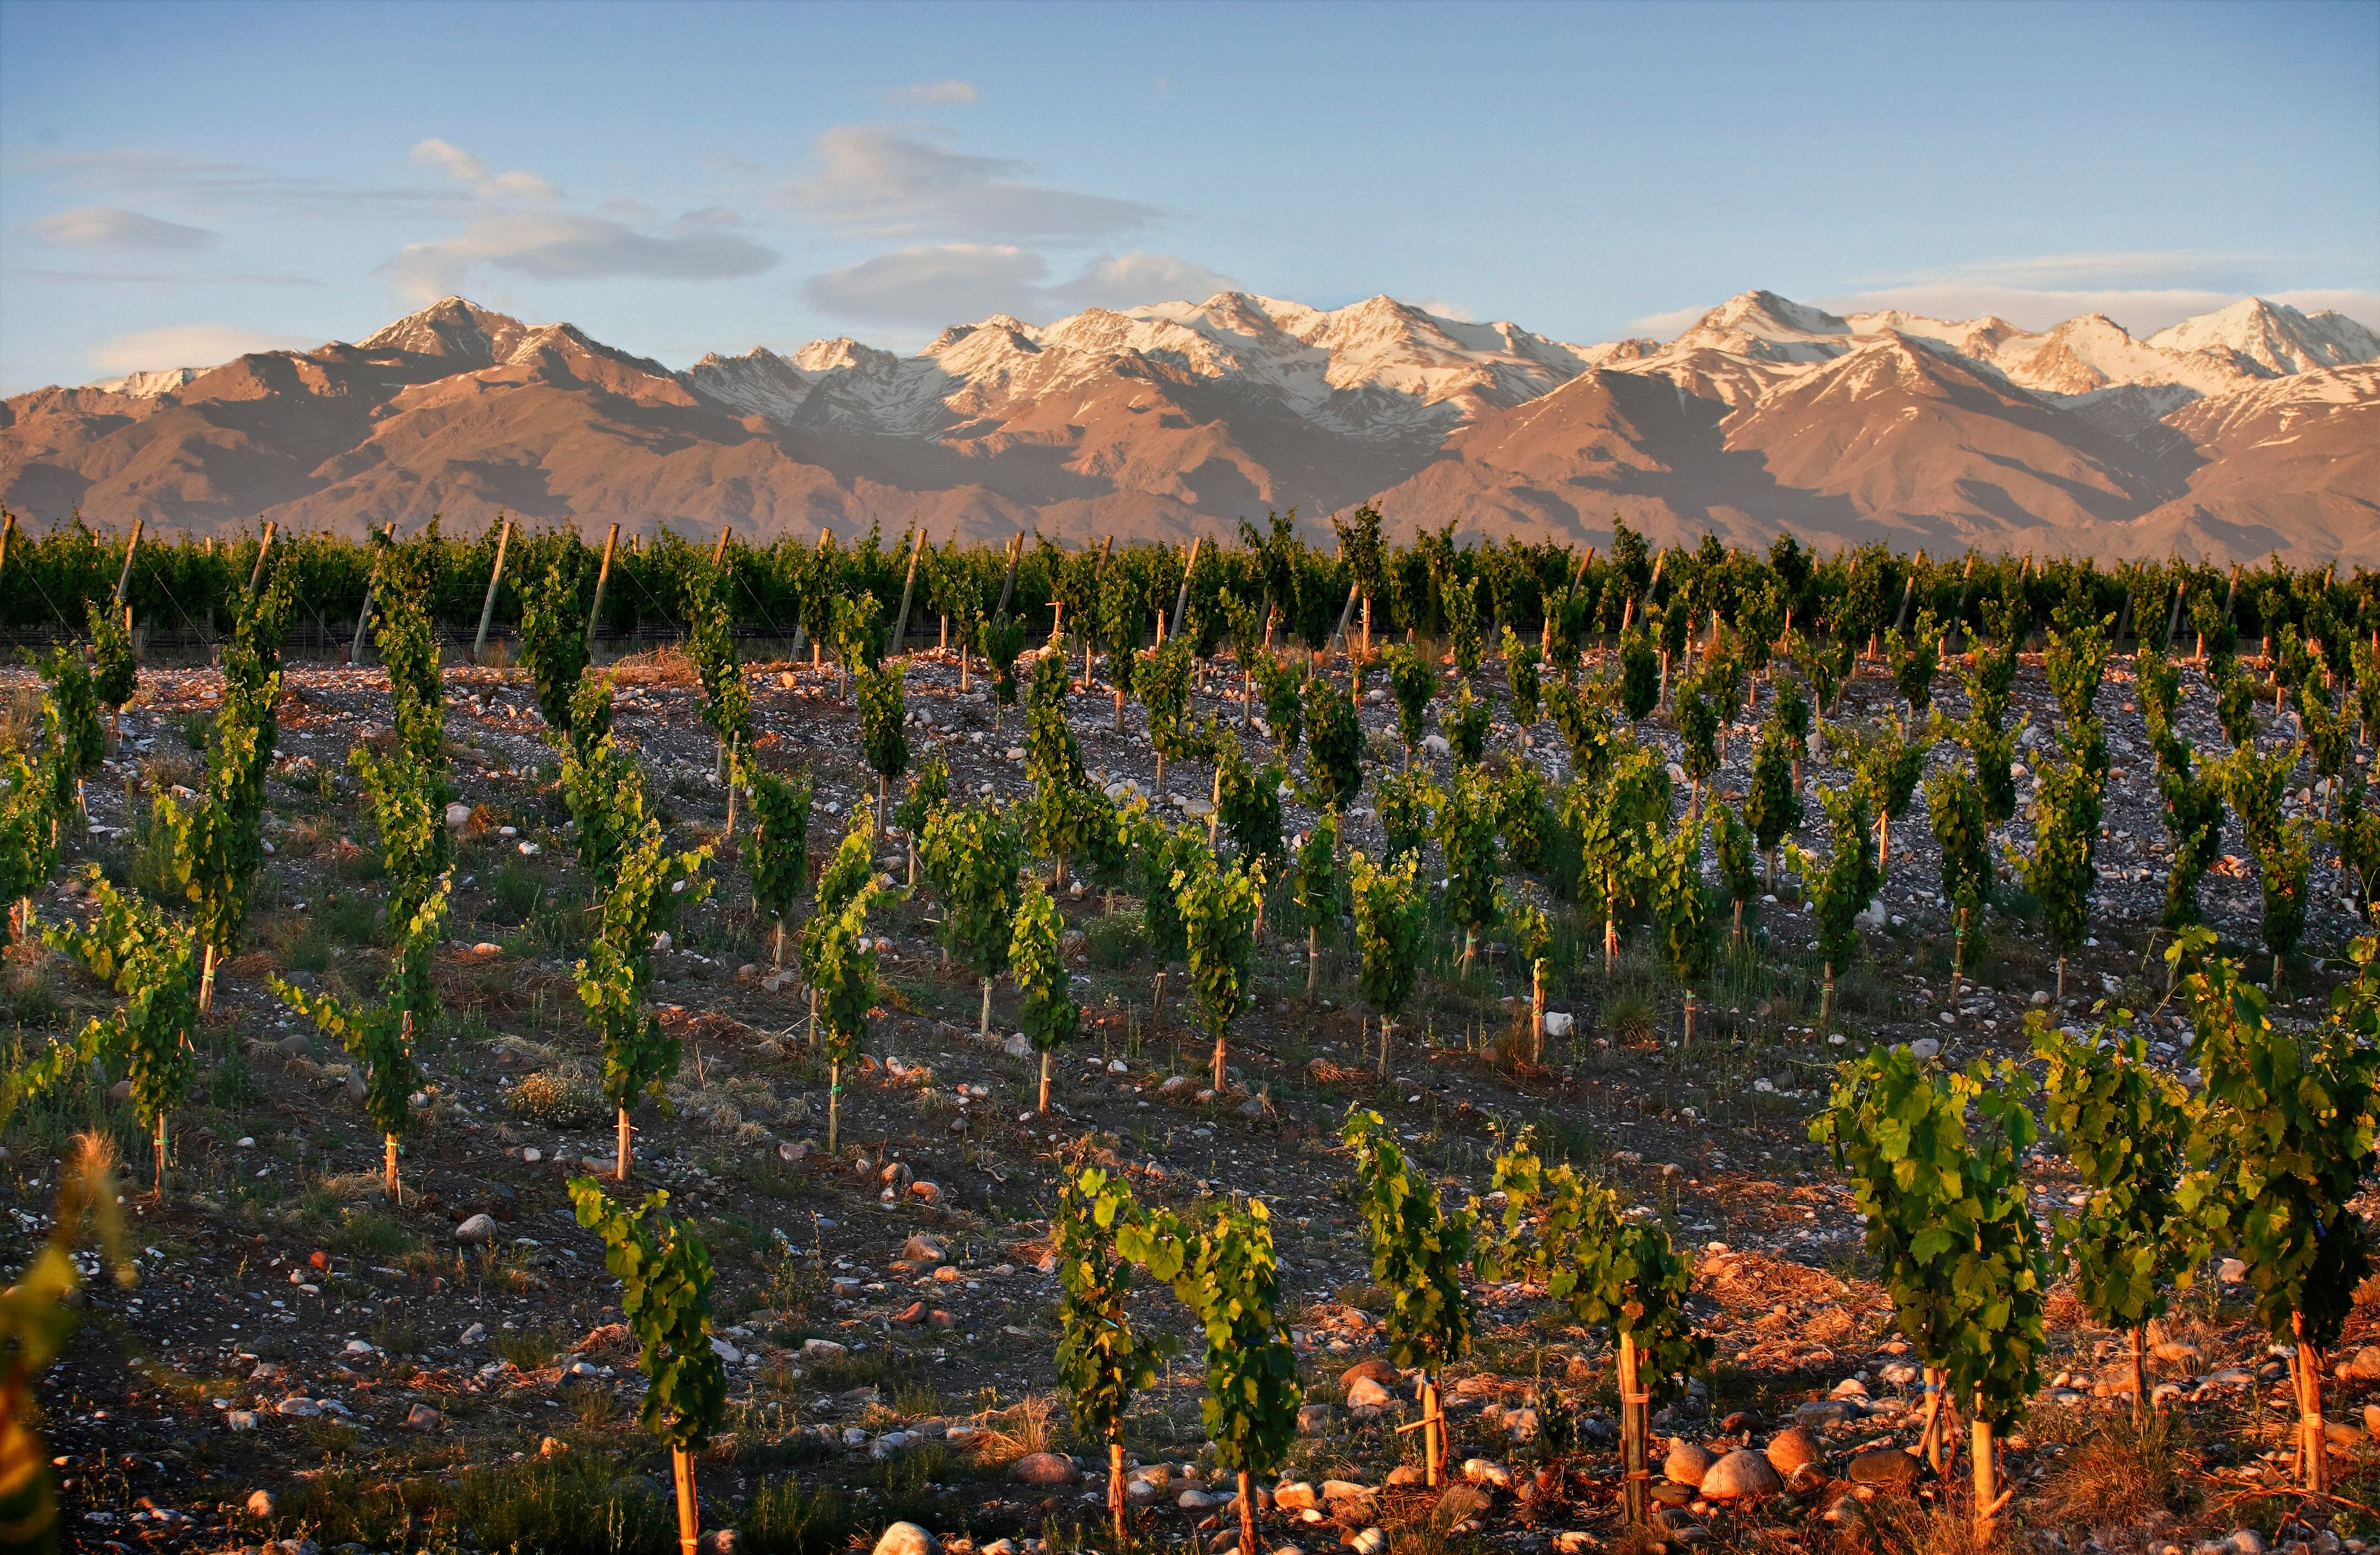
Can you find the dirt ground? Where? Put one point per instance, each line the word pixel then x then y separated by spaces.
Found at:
pixel 386 1385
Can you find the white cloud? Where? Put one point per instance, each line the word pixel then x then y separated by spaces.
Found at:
pixel 552 245
pixel 939 283
pixel 1441 307
pixel 1125 280
pixel 1661 326
pixel 474 175
pixel 933 283
pixel 104 226
pixel 185 345
pixel 935 95
pixel 879 182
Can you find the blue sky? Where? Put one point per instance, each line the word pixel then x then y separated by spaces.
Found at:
pixel 181 182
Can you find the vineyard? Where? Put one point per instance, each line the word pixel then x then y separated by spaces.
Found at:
pixel 523 1044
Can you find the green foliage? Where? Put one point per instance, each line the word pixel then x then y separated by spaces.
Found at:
pixel 27 856
pixel 1851 877
pixel 1281 687
pixel 1162 683
pixel 1412 682
pixel 2159 687
pixel 883 719
pixel 1955 803
pixel 710 643
pixel 1066 815
pixel 929 792
pixel 1004 639
pixel 1334 743
pixel 1521 674
pixel 114 668
pixel 214 844
pixel 1406 801
pixel 1609 1269
pixel 554 646
pixel 1101 1361
pixel 377 1036
pixel 1739 862
pixel 1609 817
pixel 2286 1140
pixel 1945 1213
pixel 1317 877
pixel 1251 802
pixel 72 735
pixel 1230 1279
pixel 409 801
pixel 1772 806
pixel 1160 852
pixel 1914 660
pixel 971 855
pixel 779 855
pixel 839 955
pixel 1582 717
pixel 606 796
pixel 1681 900
pixel 2126 1126
pixel 2059 872
pixel 1994 752
pixel 153 962
pixel 1467 727
pixel 858 623
pixel 1419 1255
pixel 2282 870
pixel 1887 764
pixel 1391 919
pixel 409 646
pixel 1218 914
pixel 1521 815
pixel 1466 840
pixel 2235 704
pixel 1051 1014
pixel 1698 721
pixel 646 887
pixel 590 713
pixel 664 1274
pixel 1459 598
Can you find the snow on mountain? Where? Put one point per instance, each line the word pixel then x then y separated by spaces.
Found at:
pixel 149 384
pixel 2082 356
pixel 759 381
pixel 2274 336
pixel 451 327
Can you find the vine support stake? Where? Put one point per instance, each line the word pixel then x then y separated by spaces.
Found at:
pixel 689 1528
pixel 125 577
pixel 255 574
pixel 908 588
pixel 363 615
pixel 488 605
pixel 602 577
pixel 1632 1403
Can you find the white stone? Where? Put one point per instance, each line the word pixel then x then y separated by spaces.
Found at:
pixel 906 1538
pixel 818 1351
pixel 457 817
pixel 1558 1023
pixel 480 1229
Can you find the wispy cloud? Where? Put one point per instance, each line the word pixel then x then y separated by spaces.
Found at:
pixel 475 176
pixel 106 226
pixel 2145 290
pixel 877 182
pixel 935 95
pixel 558 246
pixel 185 345
pixel 932 284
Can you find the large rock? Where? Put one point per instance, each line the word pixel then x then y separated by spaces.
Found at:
pixel 261 1503
pixel 1686 1463
pixel 1296 1495
pixel 922 1249
pixel 480 1230
pixel 819 1350
pixel 2365 1366
pixel 1374 1368
pixel 1044 1468
pixel 1487 1472
pixel 1365 1393
pixel 1740 1474
pixel 1887 1466
pixel 1819 1414
pixel 906 1538
pixel 1790 1449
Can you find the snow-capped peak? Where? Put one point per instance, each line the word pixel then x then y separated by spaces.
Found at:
pixel 2274 335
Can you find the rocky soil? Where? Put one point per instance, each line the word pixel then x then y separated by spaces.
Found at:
pixel 302 1362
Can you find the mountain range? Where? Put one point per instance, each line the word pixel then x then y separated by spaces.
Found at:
pixel 2230 435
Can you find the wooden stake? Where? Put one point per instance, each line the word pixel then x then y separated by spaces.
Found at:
pixel 603 578
pixel 488 605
